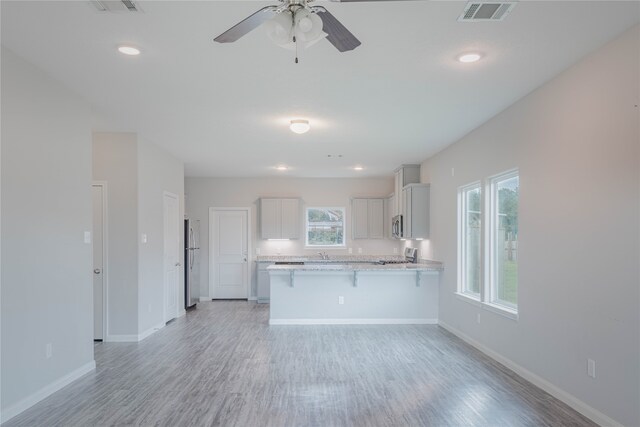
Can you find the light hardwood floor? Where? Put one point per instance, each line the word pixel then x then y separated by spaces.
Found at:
pixel 223 365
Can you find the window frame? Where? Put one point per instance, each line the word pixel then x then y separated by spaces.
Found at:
pixel 491 258
pixel 463 289
pixel 344 227
pixel 488 284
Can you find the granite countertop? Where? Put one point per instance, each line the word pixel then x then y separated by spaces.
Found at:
pixel 341 259
pixel 422 266
pixel 347 263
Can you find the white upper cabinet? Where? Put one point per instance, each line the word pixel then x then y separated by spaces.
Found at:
pixel 404 175
pixel 416 211
pixel 367 218
pixel 280 218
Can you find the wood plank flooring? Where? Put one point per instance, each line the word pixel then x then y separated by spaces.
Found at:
pixel 223 365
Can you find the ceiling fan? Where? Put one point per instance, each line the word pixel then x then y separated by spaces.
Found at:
pixel 293 24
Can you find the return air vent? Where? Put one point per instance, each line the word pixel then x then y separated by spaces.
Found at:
pixel 486 11
pixel 116 6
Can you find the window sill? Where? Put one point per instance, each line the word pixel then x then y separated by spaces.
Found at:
pixel 501 310
pixel 310 248
pixel 468 298
pixel 494 308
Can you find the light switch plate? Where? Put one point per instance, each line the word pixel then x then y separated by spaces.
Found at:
pixel 87 237
pixel 144 238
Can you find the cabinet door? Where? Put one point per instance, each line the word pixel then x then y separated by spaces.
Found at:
pixel 360 217
pixel 407 217
pixel 376 218
pixel 270 218
pixel 290 218
pixel 397 206
pixel 420 196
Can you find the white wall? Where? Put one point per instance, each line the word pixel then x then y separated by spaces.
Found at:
pixel 576 143
pixel 115 160
pixel 202 193
pixel 158 171
pixel 46 207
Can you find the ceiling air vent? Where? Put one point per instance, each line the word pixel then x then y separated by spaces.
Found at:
pixel 486 11
pixel 116 5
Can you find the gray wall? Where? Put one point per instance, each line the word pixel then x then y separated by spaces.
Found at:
pixel 137 173
pixel 46 207
pixel 202 193
pixel 158 171
pixel 115 160
pixel 576 142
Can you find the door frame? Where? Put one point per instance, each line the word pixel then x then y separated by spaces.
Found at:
pixel 164 285
pixel 212 237
pixel 105 259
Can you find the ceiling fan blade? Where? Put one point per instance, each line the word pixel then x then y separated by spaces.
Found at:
pixel 247 25
pixel 354 1
pixel 337 33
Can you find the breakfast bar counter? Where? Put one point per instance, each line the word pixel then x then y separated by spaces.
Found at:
pixel 354 293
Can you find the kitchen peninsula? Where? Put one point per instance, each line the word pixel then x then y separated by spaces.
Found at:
pixel 354 293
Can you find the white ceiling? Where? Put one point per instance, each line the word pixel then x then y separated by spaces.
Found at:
pixel 223 109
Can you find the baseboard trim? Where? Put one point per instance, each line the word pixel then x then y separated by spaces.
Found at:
pixel 353 321
pixel 182 313
pixel 253 298
pixel 150 331
pixel 121 338
pixel 46 391
pixel 204 299
pixel 577 404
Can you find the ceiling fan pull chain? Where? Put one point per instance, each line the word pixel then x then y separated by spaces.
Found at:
pixel 296 42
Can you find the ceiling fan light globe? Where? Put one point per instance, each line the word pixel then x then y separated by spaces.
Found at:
pixel 279 28
pixel 305 24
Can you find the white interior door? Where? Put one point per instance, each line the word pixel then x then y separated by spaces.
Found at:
pixel 230 262
pixel 98 262
pixel 171 256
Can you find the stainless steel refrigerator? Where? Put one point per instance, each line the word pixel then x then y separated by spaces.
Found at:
pixel 191 262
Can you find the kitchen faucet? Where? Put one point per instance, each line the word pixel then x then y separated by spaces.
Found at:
pixel 323 255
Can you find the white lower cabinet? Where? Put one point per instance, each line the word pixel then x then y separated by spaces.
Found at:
pixel 263 288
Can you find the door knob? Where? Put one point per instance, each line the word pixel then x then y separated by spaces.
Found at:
pixel 96 271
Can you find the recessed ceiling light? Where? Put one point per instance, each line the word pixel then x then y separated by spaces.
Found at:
pixel 282 168
pixel 469 57
pixel 358 168
pixel 299 126
pixel 129 50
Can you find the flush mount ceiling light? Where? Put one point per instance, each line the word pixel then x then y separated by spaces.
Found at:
pixel 299 126
pixel 282 168
pixel 469 57
pixel 129 50
pixel 358 168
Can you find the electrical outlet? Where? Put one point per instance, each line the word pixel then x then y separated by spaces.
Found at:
pixel 87 237
pixel 143 238
pixel 350 250
pixel 591 368
pixel 340 300
pixel 453 172
pixel 359 250
pixel 478 318
pixel 395 250
pixel 48 350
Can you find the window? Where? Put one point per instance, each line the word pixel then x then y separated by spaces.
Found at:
pixel 488 243
pixel 505 192
pixel 470 244
pixel 325 227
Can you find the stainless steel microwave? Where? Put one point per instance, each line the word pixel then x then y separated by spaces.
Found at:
pixel 396 227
